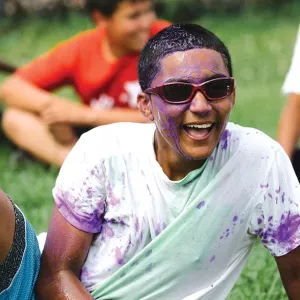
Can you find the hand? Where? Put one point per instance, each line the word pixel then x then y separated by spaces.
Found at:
pixel 60 111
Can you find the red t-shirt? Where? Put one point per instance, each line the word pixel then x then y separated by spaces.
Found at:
pixel 80 62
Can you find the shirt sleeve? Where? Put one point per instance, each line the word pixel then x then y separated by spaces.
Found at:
pixel 292 80
pixel 53 69
pixel 276 217
pixel 79 192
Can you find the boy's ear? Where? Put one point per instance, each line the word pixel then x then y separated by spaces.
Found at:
pixel 98 18
pixel 144 105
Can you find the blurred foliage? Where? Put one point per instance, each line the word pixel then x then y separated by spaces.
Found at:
pixel 176 10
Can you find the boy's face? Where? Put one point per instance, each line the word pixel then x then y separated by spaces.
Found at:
pixel 175 122
pixel 129 26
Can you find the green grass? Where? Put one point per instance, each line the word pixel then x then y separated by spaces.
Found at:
pixel 261 45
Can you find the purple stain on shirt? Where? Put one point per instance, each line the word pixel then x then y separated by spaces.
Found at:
pixel 278 190
pixel 235 218
pixel 286 234
pixel 201 204
pixel 212 258
pixel 107 231
pixel 137 225
pixel 282 197
pixel 118 256
pixel 270 195
pixel 148 253
pixel 211 158
pixel 264 185
pixel 93 172
pixel 149 267
pixel 270 218
pixel 259 221
pixel 89 192
pixel 111 198
pixel 84 275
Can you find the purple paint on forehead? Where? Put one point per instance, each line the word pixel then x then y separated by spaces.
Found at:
pixel 201 204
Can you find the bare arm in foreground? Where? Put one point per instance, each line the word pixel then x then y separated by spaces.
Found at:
pixel 7 225
pixel 289 124
pixel 18 93
pixel 65 251
pixel 289 268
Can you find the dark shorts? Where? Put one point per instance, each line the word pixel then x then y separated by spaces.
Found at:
pixel 81 130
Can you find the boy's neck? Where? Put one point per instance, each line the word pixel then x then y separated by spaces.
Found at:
pixel 112 52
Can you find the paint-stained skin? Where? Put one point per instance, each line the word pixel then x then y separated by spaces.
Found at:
pixel 195 66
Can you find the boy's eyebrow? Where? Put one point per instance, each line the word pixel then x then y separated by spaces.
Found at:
pixel 214 76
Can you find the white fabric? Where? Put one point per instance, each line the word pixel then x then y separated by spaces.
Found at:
pixel 292 80
pixel 112 185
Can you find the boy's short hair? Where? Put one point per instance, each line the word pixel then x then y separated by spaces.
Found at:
pixel 175 38
pixel 106 7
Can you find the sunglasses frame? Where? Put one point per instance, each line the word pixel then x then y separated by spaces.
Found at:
pixel 158 90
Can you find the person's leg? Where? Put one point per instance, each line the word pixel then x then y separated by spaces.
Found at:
pixel 29 133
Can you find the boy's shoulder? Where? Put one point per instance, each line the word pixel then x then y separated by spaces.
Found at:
pixel 252 140
pixel 119 138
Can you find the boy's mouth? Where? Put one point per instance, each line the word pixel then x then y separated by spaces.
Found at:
pixel 198 131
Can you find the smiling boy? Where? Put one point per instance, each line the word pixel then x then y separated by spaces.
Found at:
pixel 101 66
pixel 171 210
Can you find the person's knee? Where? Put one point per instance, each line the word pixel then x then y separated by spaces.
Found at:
pixel 11 120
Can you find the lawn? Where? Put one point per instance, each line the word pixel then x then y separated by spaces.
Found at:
pixel 261 45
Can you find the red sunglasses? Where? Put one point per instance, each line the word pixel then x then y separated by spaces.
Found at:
pixel 181 92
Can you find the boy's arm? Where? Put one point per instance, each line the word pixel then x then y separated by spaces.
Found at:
pixel 7 225
pixel 19 93
pixel 289 268
pixel 65 251
pixel 289 124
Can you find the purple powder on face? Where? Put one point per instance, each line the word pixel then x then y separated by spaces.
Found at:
pixel 235 218
pixel 201 204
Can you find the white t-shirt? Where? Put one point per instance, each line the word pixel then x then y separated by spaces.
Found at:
pixel 292 80
pixel 112 185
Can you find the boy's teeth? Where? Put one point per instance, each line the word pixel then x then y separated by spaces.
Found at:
pixel 200 126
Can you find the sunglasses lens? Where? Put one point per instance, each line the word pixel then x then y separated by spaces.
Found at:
pixel 177 92
pixel 219 88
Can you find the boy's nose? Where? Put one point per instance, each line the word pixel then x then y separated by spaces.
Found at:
pixel 199 104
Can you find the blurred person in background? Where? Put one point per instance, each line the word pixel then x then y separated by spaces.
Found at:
pixel 101 66
pixel 289 124
pixel 19 253
pixel 171 210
